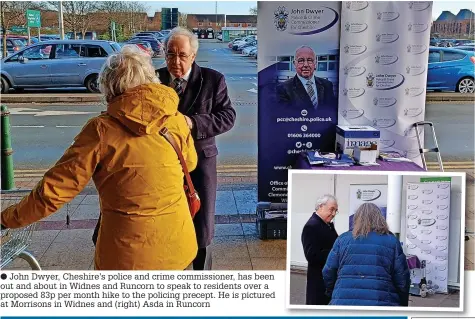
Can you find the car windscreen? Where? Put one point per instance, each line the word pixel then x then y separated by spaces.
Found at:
pixel 115 46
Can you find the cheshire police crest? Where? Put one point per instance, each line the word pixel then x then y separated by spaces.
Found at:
pixel 347 27
pixel 408 69
pixel 411 4
pixel 375 122
pixel 407 91
pixel 378 37
pixel 280 18
pixel 379 15
pixel 348 4
pixel 376 59
pixel 409 48
pixel 344 113
pixel 409 27
pixel 346 70
pixel 345 92
pixel 405 112
pixel 375 101
pixel 358 194
pixel 346 48
pixel 370 80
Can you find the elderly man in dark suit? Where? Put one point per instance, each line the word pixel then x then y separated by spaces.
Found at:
pixel 318 236
pixel 305 90
pixel 208 111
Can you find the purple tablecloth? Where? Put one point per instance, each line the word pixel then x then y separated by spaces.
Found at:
pixel 302 163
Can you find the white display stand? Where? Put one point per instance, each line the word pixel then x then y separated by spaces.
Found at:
pixel 427 230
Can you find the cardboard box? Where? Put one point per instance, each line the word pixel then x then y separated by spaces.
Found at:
pixel 347 137
pixel 365 155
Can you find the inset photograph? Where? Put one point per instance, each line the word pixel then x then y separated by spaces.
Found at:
pixel 376 240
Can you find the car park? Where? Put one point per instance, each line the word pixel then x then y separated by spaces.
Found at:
pixel 56 63
pixel 450 69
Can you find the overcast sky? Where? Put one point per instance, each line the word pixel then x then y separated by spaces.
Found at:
pixel 242 7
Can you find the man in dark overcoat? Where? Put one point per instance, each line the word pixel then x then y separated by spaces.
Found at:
pixel 318 236
pixel 205 102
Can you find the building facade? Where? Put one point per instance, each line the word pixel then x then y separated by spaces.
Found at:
pixel 454 26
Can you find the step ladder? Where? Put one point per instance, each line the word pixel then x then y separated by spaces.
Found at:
pixel 423 150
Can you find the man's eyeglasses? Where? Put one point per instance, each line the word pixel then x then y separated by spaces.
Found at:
pixel 302 61
pixel 173 56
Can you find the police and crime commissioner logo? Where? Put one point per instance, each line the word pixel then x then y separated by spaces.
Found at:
pixel 280 18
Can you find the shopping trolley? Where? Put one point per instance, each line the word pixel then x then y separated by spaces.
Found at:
pixel 14 242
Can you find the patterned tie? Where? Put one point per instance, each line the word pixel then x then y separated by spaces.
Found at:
pixel 178 86
pixel 311 93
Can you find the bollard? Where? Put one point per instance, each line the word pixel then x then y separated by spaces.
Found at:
pixel 8 182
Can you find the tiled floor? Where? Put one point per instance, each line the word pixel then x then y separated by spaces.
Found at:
pixel 298 286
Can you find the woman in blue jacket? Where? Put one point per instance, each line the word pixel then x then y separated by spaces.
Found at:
pixel 366 266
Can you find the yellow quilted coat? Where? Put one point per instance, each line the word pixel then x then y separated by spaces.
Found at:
pixel 145 223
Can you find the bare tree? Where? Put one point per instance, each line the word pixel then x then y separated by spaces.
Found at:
pixel 77 15
pixel 253 11
pixel 182 20
pixel 135 13
pixel 13 13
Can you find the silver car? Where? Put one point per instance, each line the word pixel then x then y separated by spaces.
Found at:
pixel 56 63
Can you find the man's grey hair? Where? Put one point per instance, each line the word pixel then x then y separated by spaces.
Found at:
pixel 324 200
pixel 368 218
pixel 184 32
pixel 304 47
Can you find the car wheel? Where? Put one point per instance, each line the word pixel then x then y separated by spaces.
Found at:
pixel 5 86
pixel 92 83
pixel 466 85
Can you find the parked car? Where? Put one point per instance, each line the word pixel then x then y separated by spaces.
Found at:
pixel 13 45
pixel 154 43
pixel 88 35
pixel 466 48
pixel 451 69
pixel 230 44
pixel 247 39
pixel 56 63
pixel 247 50
pixel 246 45
pixel 142 45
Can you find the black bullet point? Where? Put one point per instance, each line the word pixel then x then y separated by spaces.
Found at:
pixel 4 276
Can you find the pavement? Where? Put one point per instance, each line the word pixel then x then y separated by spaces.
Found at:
pixel 236 244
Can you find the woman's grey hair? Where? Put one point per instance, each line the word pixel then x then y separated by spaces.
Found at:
pixel 184 32
pixel 368 218
pixel 124 70
pixel 324 200
pixel 304 47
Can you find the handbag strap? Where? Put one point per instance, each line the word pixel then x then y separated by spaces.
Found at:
pixel 166 134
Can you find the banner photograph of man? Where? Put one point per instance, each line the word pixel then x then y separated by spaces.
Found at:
pixel 305 90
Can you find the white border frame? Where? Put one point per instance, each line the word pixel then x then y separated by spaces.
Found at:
pixel 388 173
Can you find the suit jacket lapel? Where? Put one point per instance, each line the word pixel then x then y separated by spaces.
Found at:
pixel 320 90
pixel 301 92
pixel 193 87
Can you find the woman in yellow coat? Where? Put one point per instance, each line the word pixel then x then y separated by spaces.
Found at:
pixel 145 222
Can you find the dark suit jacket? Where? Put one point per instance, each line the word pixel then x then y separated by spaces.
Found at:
pixel 293 93
pixel 317 241
pixel 207 103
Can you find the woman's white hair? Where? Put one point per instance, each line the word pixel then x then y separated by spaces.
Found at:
pixel 124 70
pixel 184 32
pixel 324 200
